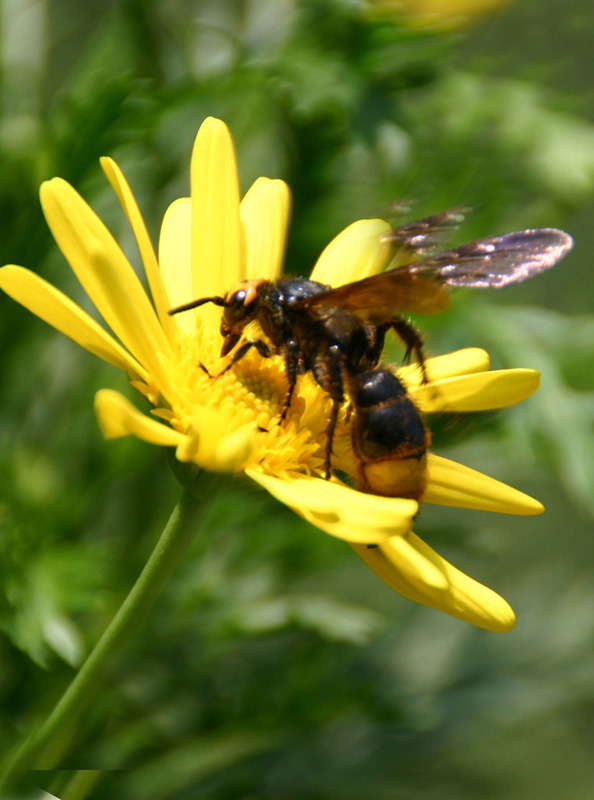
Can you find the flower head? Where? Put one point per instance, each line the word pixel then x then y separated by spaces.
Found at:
pixel 432 14
pixel 209 242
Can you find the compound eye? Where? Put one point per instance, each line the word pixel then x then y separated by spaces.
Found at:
pixel 235 308
pixel 238 298
pixel 241 303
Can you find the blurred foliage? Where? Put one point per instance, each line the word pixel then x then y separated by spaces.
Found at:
pixel 275 665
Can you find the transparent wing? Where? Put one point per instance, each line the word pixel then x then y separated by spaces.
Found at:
pixel 422 286
pixel 424 235
pixel 497 261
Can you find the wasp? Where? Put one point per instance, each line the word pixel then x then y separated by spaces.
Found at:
pixel 338 334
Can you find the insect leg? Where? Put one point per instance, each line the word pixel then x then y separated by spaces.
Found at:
pixel 333 384
pixel 265 351
pixel 413 341
pixel 292 353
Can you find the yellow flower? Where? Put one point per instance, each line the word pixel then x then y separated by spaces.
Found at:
pixel 208 243
pixel 434 14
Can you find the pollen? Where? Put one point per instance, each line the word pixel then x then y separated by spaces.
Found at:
pixel 249 395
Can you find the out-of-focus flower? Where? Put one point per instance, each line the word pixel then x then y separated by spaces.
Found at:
pixel 208 243
pixel 432 13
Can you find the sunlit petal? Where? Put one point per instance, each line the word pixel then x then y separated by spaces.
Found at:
pixel 461 362
pixel 145 247
pixel 357 252
pixel 217 248
pixel 265 213
pixel 118 417
pixel 52 306
pixel 217 443
pixel 114 289
pixel 484 391
pixel 175 260
pixel 135 326
pixel 461 596
pixel 414 566
pixel 339 510
pixel 452 484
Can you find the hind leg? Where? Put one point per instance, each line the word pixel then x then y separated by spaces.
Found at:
pixel 412 340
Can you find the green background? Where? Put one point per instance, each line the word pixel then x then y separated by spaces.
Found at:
pixel 275 665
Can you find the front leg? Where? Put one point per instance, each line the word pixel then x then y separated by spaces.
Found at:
pixel 330 378
pixel 265 351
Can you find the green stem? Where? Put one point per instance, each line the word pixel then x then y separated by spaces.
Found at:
pixel 44 747
pixel 81 784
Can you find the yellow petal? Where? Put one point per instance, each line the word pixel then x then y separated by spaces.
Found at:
pixel 484 391
pixel 147 253
pixel 136 333
pixel 357 252
pixel 52 306
pixel 106 275
pixel 339 510
pixel 414 566
pixel 217 257
pixel 461 362
pixel 175 260
pixel 452 484
pixel 118 417
pixel 265 214
pixel 217 443
pixel 460 597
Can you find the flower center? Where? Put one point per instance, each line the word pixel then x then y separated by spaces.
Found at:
pixel 250 393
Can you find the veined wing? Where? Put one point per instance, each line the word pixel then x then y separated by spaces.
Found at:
pixel 424 235
pixel 497 261
pixel 422 287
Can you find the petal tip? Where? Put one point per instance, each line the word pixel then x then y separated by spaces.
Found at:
pixel 213 126
pixel 107 163
pixel 536 507
pixel 502 622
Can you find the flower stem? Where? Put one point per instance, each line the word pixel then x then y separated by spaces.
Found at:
pixel 45 746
